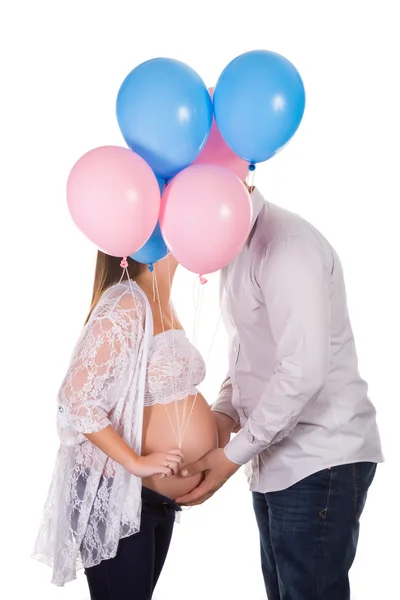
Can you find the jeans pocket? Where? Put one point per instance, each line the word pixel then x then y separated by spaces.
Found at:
pixel 363 476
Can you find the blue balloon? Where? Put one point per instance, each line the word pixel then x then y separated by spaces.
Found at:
pixel 259 103
pixel 165 113
pixel 154 249
pixel 161 184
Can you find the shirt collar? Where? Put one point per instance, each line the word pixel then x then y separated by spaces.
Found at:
pixel 257 201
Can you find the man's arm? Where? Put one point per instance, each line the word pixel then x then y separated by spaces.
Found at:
pixel 294 284
pixel 223 404
pixel 225 415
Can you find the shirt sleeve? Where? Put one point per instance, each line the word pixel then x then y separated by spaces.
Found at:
pixel 100 361
pixel 295 286
pixel 223 404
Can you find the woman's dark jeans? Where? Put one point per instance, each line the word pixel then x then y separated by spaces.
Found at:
pixel 133 573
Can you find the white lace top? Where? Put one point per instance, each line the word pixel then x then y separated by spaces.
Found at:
pixel 175 368
pixel 93 501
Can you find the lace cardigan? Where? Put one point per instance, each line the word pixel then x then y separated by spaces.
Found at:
pixel 93 501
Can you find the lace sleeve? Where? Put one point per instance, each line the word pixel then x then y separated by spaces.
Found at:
pixel 100 361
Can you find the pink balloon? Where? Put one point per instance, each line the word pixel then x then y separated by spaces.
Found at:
pixel 217 152
pixel 114 199
pixel 205 217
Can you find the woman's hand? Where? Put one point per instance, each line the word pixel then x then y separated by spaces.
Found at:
pixel 164 464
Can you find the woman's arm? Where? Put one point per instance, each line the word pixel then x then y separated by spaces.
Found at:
pixel 91 387
pixel 116 448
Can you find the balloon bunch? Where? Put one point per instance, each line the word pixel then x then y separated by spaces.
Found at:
pixel 178 187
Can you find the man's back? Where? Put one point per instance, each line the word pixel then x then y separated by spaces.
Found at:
pixel 291 338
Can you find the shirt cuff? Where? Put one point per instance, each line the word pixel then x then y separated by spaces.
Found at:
pixel 242 448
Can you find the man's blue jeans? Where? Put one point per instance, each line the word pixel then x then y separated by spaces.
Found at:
pixel 309 533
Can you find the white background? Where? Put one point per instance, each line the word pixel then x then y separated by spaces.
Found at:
pixel 61 67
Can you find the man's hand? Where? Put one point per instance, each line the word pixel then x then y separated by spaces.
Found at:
pixel 226 426
pixel 218 469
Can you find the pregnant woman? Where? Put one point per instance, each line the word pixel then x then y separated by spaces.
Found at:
pixel 129 417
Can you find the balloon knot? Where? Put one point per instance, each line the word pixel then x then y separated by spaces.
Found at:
pixel 124 263
pixel 252 167
pixel 150 267
pixel 203 280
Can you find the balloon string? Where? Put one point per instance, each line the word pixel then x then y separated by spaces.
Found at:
pixel 194 294
pixel 182 426
pixel 156 292
pixel 197 304
pixel 222 306
pixel 173 322
pixel 197 300
pixel 154 286
pixel 124 266
pixel 250 176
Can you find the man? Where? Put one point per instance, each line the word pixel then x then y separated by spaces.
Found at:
pixel 307 429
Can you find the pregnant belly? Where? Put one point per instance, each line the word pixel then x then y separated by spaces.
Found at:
pixel 200 436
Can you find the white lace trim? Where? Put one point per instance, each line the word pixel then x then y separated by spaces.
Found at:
pixel 175 368
pixel 93 501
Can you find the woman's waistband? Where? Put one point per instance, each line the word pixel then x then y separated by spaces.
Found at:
pixel 156 500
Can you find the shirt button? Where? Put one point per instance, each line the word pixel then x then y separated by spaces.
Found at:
pixel 61 409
